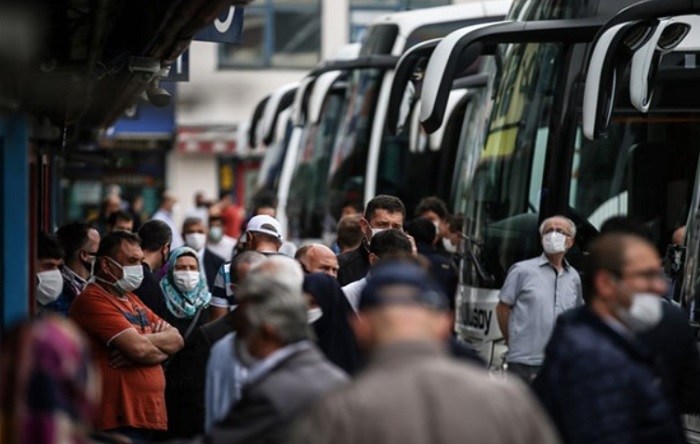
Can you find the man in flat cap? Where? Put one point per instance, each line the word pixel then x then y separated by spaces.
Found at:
pixel 412 391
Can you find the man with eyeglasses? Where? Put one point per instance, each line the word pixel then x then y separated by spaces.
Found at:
pixel 604 379
pixel 534 293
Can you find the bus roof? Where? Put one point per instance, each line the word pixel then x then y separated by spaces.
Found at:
pixel 409 21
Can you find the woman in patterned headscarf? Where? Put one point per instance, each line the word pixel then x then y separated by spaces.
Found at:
pixel 186 298
pixel 185 288
pixel 49 387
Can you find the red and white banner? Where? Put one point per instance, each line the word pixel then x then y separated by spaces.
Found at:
pixel 208 140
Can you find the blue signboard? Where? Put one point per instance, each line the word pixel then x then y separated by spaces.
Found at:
pixel 147 120
pixel 227 27
pixel 180 70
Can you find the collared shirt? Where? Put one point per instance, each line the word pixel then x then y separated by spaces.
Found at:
pixel 353 291
pixel 76 282
pixel 537 294
pixel 73 285
pixel 265 366
pixel 223 248
pixel 222 294
pixel 225 377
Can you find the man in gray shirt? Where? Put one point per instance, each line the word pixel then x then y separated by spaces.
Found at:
pixel 535 292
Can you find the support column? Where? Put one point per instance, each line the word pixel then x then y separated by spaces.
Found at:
pixel 335 25
pixel 14 219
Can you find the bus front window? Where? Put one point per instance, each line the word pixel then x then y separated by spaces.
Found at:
pixel 349 158
pixel 501 202
pixel 644 170
pixel 307 192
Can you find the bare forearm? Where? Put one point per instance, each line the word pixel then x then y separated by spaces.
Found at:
pixel 217 312
pixel 152 357
pixel 167 341
pixel 502 314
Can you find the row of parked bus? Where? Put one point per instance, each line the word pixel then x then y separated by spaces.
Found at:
pixel 511 112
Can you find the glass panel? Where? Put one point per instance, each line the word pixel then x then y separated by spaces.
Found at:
pixel 274 160
pixel 546 9
pixel 402 170
pixel 645 169
pixel 297 37
pixel 349 161
pixel 470 142
pixel 429 32
pixel 395 3
pixel 360 21
pixel 251 51
pixel 415 4
pixel 308 190
pixel 501 204
pixel 296 2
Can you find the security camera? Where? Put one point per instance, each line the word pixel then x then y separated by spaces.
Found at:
pixel 145 67
pixel 158 96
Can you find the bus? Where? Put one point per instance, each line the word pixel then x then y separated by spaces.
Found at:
pixel 362 161
pixel 531 159
pixel 270 128
pixel 441 150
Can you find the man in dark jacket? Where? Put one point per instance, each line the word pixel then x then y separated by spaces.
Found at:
pixel 156 237
pixel 599 382
pixel 442 268
pixel 382 213
pixel 195 235
pixel 412 391
pixel 286 372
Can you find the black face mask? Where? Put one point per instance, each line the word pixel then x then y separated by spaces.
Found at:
pixel 90 266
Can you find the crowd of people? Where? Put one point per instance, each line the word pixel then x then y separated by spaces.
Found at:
pixel 219 330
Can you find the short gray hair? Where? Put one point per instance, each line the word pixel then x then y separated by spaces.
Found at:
pixel 249 258
pixel 273 294
pixel 282 268
pixel 571 224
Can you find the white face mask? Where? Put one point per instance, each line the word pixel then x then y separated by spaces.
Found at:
pixel 90 265
pixel 50 286
pixel 216 233
pixel 644 313
pixel 314 314
pixel 447 245
pixel 132 278
pixel 186 280
pixel 244 357
pixel 195 241
pixel 377 230
pixel 554 243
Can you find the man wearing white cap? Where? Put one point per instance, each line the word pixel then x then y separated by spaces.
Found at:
pixel 264 235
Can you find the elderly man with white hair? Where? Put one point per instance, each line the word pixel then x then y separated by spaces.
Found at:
pixel 534 293
pixel 285 370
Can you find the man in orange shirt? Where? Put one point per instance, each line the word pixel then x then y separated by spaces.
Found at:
pixel 129 342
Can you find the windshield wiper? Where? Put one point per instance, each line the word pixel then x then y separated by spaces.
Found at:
pixel 486 278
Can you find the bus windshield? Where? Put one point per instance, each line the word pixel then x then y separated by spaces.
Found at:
pixel 349 158
pixel 308 190
pixel 501 201
pixel 268 177
pixel 644 170
pixel 471 140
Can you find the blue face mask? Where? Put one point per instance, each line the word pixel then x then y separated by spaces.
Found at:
pixel 216 233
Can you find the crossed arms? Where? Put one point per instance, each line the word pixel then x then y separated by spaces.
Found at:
pixel 131 348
